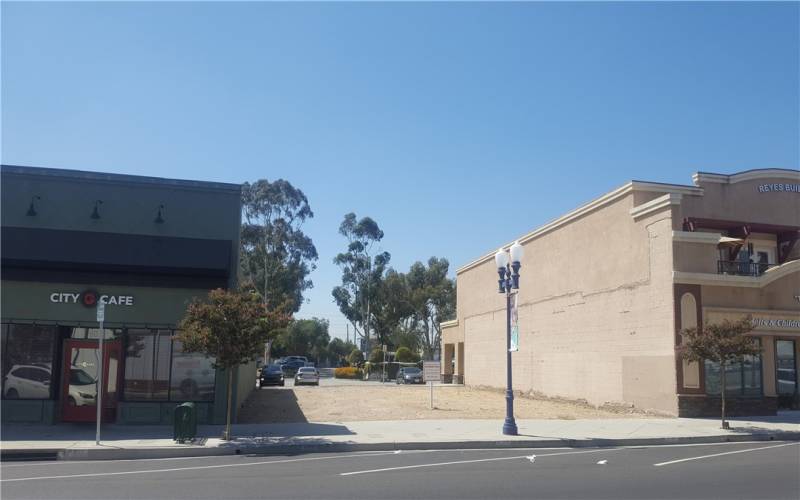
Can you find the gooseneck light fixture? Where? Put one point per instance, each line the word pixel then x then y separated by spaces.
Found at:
pixel 508 264
pixel 32 208
pixel 96 211
pixel 160 217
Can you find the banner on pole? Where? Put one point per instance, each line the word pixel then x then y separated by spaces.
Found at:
pixel 514 324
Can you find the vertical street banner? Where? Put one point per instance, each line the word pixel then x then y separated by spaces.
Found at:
pixel 514 324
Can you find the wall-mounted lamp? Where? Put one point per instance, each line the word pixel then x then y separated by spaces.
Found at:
pixel 96 212
pixel 160 216
pixel 31 208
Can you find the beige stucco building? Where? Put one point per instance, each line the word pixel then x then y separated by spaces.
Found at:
pixel 606 289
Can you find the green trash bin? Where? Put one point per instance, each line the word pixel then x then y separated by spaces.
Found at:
pixel 185 423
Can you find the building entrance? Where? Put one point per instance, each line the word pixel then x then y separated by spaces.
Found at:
pixel 81 368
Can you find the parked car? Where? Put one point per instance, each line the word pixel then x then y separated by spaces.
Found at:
pixel 271 375
pixel 290 368
pixel 409 375
pixel 306 375
pixel 27 382
pixel 82 388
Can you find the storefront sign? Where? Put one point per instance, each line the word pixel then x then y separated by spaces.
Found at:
pixel 776 323
pixel 90 298
pixel 787 187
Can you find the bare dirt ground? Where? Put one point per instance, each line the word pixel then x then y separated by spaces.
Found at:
pixel 333 402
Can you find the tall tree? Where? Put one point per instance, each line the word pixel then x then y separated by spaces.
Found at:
pixel 230 327
pixel 276 256
pixel 723 343
pixel 433 299
pixel 363 267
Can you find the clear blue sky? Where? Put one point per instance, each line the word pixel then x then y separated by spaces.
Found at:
pixel 456 126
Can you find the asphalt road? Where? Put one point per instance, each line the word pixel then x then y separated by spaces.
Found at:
pixel 738 470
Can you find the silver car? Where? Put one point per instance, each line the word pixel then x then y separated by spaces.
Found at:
pixel 306 375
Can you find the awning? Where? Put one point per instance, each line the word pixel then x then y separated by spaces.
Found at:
pixel 727 241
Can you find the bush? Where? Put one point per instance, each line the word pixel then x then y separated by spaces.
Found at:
pixel 348 372
pixel 376 356
pixel 404 355
pixel 355 358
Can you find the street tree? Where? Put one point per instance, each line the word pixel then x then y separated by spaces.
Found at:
pixel 276 255
pixel 433 299
pixel 338 349
pixel 723 343
pixel 230 327
pixel 363 266
pixel 356 357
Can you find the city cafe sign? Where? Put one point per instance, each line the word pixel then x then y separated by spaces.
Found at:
pixel 90 298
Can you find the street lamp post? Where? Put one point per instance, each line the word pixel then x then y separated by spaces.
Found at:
pixel 509 280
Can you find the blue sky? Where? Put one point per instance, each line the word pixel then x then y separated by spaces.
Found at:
pixel 457 126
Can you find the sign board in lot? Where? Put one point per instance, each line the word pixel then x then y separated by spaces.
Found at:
pixel 431 371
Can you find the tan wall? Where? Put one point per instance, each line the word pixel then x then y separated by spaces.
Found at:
pixel 696 257
pixel 596 312
pixel 742 201
pixel 780 295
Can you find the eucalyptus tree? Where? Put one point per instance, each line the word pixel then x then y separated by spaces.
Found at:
pixel 363 265
pixel 433 300
pixel 276 255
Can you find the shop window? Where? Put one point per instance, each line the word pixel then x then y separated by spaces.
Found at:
pixel 785 367
pixel 742 378
pixel 28 361
pixel 147 358
pixel 193 376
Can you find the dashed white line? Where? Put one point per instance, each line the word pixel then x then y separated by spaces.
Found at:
pixel 496 459
pixel 724 453
pixel 198 467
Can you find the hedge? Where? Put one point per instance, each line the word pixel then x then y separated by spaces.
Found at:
pixel 348 372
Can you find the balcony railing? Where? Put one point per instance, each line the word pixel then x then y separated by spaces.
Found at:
pixel 742 268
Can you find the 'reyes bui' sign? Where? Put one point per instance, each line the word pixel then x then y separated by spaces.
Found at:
pixel 90 298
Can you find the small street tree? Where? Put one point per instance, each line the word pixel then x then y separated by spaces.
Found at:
pixel 723 343
pixel 230 327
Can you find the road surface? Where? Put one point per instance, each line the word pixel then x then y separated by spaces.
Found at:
pixel 735 470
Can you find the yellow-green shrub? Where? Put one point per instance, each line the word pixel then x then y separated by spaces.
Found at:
pixel 348 372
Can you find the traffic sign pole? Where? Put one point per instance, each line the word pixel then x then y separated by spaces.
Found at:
pixel 101 316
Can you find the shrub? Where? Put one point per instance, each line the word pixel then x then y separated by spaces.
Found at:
pixel 348 372
pixel 404 355
pixel 376 356
pixel 356 357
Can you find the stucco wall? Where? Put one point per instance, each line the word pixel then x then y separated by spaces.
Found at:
pixel 596 314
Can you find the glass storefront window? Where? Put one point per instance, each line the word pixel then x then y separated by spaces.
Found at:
pixel 28 360
pixel 147 358
pixel 193 376
pixel 742 378
pixel 786 367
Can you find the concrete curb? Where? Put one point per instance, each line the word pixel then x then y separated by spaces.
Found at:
pixel 329 447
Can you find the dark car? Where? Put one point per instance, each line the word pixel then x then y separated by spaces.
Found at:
pixel 409 375
pixel 290 368
pixel 272 375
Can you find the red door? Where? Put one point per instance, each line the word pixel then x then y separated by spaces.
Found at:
pixel 79 376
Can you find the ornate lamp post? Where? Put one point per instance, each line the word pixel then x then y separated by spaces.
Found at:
pixel 509 280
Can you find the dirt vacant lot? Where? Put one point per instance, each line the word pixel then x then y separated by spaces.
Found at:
pixel 371 401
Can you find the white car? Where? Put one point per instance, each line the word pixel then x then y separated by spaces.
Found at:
pixel 27 382
pixel 82 388
pixel 306 375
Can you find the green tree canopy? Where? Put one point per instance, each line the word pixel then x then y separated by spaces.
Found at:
pixel 303 337
pixel 276 256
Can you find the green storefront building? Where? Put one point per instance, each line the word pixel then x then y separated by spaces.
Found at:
pixel 143 246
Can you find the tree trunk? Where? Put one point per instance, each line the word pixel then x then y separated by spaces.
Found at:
pixel 722 392
pixel 227 435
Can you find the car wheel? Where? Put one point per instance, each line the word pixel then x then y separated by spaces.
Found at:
pixel 71 402
pixel 12 394
pixel 283 383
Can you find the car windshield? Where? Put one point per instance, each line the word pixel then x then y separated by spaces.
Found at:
pixel 79 377
pixel 307 370
pixel 411 371
pixel 274 368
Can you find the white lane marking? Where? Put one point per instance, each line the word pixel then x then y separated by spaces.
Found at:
pixel 721 454
pixel 244 454
pixel 198 467
pixel 496 459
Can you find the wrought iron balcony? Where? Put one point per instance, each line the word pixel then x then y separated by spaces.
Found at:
pixel 739 268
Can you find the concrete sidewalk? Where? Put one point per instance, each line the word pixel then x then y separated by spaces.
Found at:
pixel 76 442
